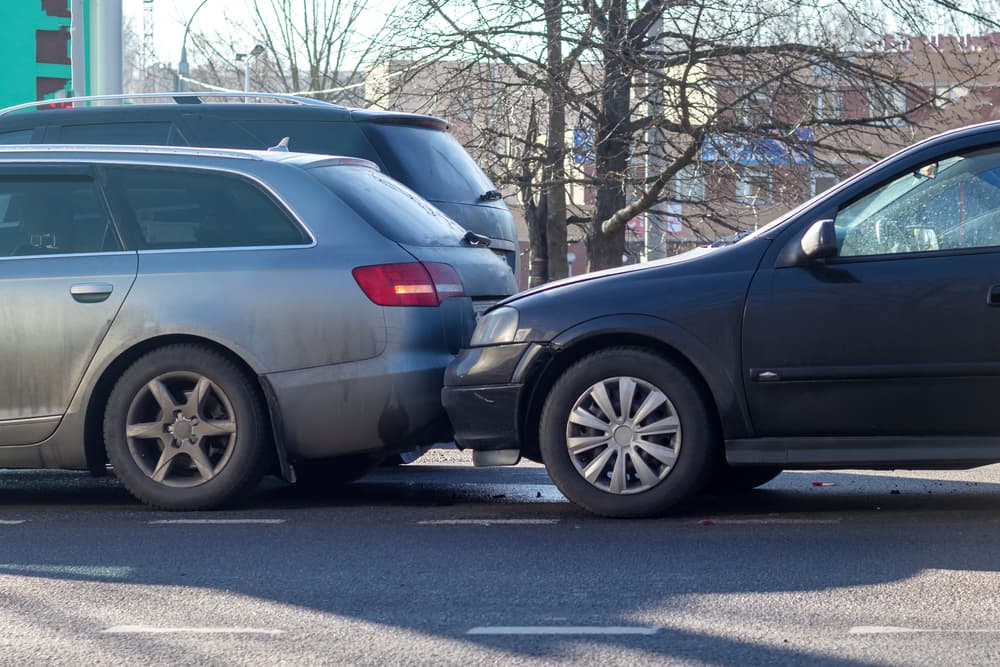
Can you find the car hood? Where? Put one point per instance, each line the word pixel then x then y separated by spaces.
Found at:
pixel 612 273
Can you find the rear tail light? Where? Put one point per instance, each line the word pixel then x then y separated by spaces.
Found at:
pixel 409 283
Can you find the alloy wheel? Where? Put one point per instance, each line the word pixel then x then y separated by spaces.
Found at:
pixel 181 429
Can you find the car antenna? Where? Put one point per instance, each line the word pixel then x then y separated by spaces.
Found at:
pixel 281 146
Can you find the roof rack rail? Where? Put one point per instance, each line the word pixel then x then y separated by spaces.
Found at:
pixel 179 98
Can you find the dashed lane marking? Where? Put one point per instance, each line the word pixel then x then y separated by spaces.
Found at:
pixel 563 630
pixel 766 522
pixel 898 630
pixel 154 630
pixel 11 522
pixel 216 522
pixel 489 522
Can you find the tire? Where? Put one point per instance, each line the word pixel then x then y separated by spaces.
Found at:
pixel 186 429
pixel 729 480
pixel 656 474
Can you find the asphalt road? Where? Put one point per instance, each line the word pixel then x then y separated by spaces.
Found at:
pixel 438 563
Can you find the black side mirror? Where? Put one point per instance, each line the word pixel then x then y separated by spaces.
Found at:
pixel 820 240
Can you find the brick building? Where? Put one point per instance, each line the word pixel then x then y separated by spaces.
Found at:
pixel 831 127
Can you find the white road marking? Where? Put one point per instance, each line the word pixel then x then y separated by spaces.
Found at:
pixel 99 571
pixel 217 522
pixel 10 522
pixel 777 522
pixel 897 630
pixel 154 630
pixel 489 522
pixel 562 630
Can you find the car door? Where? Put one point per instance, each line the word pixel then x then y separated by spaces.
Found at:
pixel 899 332
pixel 63 277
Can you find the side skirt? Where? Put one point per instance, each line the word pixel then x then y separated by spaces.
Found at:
pixel 932 452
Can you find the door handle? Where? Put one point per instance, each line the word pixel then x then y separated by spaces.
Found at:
pixel 91 292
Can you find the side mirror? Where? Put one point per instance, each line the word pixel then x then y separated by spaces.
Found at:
pixel 820 240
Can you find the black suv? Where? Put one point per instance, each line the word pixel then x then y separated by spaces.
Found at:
pixel 414 149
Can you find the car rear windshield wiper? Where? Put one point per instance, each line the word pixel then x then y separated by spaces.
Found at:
pixel 491 195
pixel 477 240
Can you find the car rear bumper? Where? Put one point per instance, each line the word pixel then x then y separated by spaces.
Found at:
pixel 381 405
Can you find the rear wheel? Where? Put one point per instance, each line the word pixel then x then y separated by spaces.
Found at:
pixel 185 429
pixel 625 433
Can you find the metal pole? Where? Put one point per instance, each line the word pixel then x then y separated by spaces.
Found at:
pixel 78 48
pixel 182 65
pixel 106 47
pixel 246 79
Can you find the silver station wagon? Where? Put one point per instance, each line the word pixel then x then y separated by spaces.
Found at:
pixel 201 317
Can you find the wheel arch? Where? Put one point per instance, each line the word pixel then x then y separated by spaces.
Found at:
pixel 97 401
pixel 717 388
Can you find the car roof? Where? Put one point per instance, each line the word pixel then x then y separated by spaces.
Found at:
pixel 21 116
pixel 84 151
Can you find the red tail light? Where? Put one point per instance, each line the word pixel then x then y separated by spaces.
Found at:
pixel 408 283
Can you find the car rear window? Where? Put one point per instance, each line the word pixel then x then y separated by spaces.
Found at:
pixel 429 161
pixel 394 210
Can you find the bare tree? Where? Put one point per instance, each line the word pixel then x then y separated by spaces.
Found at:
pixel 662 91
pixel 311 45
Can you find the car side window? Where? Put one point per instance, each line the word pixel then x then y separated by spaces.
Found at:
pixel 185 208
pixel 53 216
pixel 948 205
pixel 17 136
pixel 331 138
pixel 150 134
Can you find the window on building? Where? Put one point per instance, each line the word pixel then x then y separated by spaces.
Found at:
pixel 689 184
pixel 827 105
pixel 887 102
pixel 754 187
pixel 822 181
pixel 753 107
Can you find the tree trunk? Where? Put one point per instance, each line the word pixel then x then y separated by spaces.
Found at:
pixel 535 216
pixel 554 172
pixel 612 135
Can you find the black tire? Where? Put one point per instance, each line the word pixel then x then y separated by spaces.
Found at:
pixel 226 422
pixel 733 480
pixel 699 443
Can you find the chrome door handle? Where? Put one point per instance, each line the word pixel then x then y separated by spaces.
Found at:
pixel 91 292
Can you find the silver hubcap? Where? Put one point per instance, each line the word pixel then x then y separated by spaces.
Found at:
pixel 623 435
pixel 181 429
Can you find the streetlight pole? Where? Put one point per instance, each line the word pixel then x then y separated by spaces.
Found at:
pixel 182 65
pixel 246 58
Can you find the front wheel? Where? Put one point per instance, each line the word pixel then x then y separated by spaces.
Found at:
pixel 185 429
pixel 625 433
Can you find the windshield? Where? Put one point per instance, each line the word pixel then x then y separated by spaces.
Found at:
pixel 429 161
pixel 395 211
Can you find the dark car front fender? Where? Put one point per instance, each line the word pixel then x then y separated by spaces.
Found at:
pixel 636 329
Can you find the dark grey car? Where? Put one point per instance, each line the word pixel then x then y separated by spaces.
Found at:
pixel 200 315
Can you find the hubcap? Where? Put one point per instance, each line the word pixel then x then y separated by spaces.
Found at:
pixel 180 429
pixel 623 435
